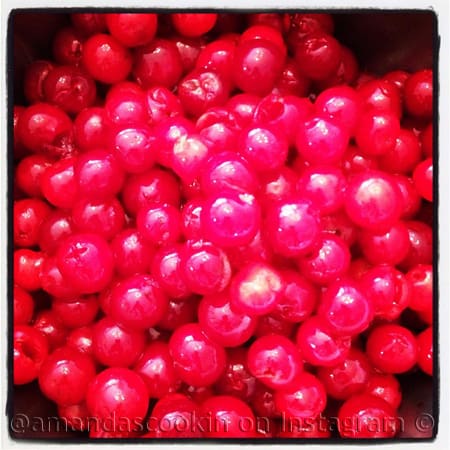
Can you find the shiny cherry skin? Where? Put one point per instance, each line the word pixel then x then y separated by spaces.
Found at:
pixel 243 106
pixel 317 55
pixel 385 386
pixel 80 339
pixel 86 262
pixel 206 268
pixel 91 127
pixel 348 378
pixel 155 366
pixel 29 172
pixel 373 201
pixel 388 289
pixel 376 132
pixel 256 289
pixel 28 214
pixel 59 185
pixel 265 148
pixel 222 323
pixel 23 306
pixel 272 323
pixel 34 77
pixel 198 360
pixel 306 398
pixel 202 89
pixel 266 32
pixel 157 64
pixel 404 156
pixel 257 65
pixel 135 149
pixel 46 129
pixel 189 49
pixel 64 376
pixel 298 299
pixel 340 225
pixel 341 105
pixel 189 154
pixel 154 186
pixel 329 261
pixel 193 24
pixel 50 325
pixel 392 348
pixel 137 302
pixel 104 217
pixel 179 312
pixel 116 346
pixel 230 417
pixel 320 139
pixel 217 56
pixel 99 175
pixel 126 105
pixel 412 201
pixel 283 113
pixel 76 312
pixel 132 30
pixel 89 23
pixel 292 226
pixel 67 46
pixel 54 229
pixel 418 94
pixel 167 270
pixel 345 308
pixel 390 247
pixel 237 381
pixel 420 278
pixel 162 103
pixel 132 254
pixel 421 244
pixel 228 171
pixel 159 224
pixel 324 186
pixel 30 348
pixel 174 416
pixel 291 81
pixel 423 179
pixel 53 282
pixel 381 95
pixel 230 218
pixel 363 409
pixel 425 350
pixel 318 345
pixel 275 361
pixel 117 393
pixel 70 88
pixel 106 59
pixel 27 268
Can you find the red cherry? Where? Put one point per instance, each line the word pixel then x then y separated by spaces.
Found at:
pixel 106 59
pixel 193 25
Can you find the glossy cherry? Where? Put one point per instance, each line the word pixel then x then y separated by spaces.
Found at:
pixel 198 360
pixel 206 268
pixel 222 323
pixel 132 30
pixel 425 350
pixel 86 262
pixel 392 348
pixel 117 394
pixel 360 411
pixel 137 302
pixel 30 348
pixel 106 59
pixel 65 375
pixel 319 345
pixel 76 312
pixel 275 361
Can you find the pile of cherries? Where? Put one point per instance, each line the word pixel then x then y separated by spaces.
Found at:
pixel 220 219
